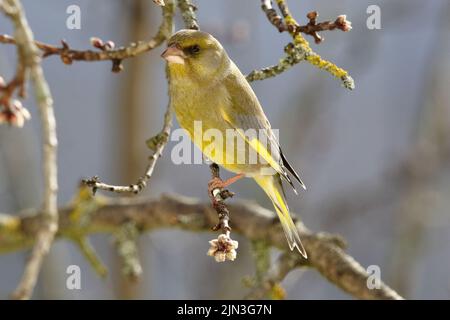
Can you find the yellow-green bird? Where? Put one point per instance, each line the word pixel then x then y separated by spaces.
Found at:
pixel 208 88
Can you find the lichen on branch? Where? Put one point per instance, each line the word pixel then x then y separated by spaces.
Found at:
pixel 300 50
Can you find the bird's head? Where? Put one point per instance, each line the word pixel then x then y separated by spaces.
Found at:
pixel 195 55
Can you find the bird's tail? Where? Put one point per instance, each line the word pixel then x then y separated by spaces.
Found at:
pixel 271 184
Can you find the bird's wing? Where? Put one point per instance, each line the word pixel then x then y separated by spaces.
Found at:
pixel 244 112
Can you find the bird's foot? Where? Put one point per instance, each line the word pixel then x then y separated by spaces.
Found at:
pixel 216 187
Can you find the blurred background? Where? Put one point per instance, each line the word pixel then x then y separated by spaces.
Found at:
pixel 375 160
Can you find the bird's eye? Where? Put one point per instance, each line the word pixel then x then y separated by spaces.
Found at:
pixel 193 49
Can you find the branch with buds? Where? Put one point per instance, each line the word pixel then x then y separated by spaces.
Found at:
pixel 223 248
pixel 11 110
pixel 29 66
pixel 312 28
pixel 107 49
pixel 300 50
pixel 157 144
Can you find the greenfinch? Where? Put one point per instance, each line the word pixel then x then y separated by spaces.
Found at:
pixel 207 88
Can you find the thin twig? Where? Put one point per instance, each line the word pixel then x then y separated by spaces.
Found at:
pixel 91 255
pixel 187 10
pixel 313 27
pixel 272 15
pixel 312 57
pixel 29 56
pixel 159 141
pixel 223 248
pixel 301 51
pixel 11 110
pixel 218 196
pixel 69 55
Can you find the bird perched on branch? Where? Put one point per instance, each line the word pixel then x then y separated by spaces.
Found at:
pixel 217 107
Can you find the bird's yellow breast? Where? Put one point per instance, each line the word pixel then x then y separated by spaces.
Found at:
pixel 196 110
pixel 199 110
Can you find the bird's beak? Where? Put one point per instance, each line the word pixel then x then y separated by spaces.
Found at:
pixel 174 54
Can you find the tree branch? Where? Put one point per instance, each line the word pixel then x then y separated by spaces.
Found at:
pixel 313 28
pixel 272 15
pixel 294 55
pixel 187 10
pixel 107 215
pixel 223 248
pixel 300 49
pixel 157 144
pixel 30 61
pixel 69 55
